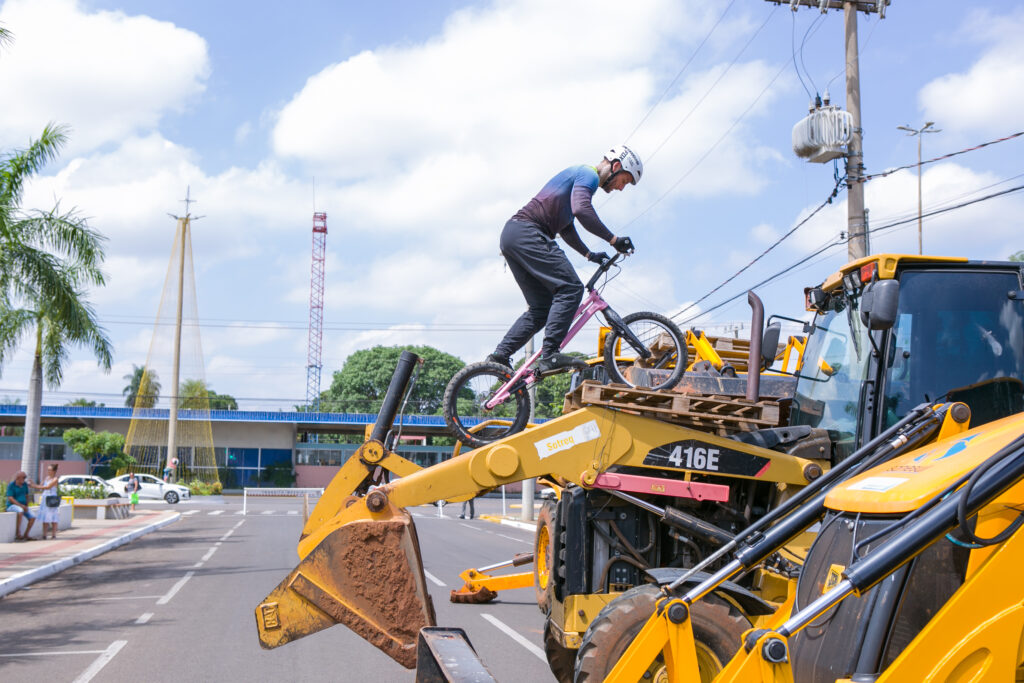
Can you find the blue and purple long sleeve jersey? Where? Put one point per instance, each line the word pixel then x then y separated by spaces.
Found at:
pixel 565 197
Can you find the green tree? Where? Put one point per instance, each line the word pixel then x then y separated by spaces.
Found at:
pixel 96 445
pixel 1019 256
pixel 551 392
pixel 360 385
pixel 48 260
pixel 195 394
pixel 143 390
pixel 84 403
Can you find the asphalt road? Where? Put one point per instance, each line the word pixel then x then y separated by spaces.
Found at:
pixel 178 604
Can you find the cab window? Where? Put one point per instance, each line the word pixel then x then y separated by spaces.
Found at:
pixel 958 337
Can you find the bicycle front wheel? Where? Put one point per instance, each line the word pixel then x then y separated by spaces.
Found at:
pixel 464 405
pixel 645 350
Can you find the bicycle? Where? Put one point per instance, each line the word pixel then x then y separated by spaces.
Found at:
pixel 495 393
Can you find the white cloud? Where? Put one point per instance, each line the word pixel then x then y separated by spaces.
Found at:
pixel 979 231
pixel 105 74
pixel 988 96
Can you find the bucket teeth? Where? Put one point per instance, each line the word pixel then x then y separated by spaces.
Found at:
pixel 367 574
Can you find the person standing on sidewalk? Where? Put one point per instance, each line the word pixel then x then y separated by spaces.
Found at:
pixel 133 489
pixel 49 514
pixel 17 501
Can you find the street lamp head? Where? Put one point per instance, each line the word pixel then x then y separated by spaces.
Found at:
pixel 906 128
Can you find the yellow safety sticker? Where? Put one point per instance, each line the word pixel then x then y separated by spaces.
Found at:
pixel 835 575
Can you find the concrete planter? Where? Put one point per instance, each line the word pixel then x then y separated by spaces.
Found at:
pixel 8 521
pixel 111 508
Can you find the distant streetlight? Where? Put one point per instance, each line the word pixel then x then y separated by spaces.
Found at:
pixel 919 132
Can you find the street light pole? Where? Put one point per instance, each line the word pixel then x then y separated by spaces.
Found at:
pixel 919 132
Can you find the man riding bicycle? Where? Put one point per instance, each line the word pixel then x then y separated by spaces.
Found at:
pixel 548 281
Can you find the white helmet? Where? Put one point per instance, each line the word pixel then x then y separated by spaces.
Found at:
pixel 629 160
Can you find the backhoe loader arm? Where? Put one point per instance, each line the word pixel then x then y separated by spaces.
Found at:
pixel 578 447
pixel 362 567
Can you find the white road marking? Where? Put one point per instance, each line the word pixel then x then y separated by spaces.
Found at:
pixel 197 565
pixel 101 661
pixel 144 618
pixel 52 654
pixel 437 581
pixel 514 635
pixel 238 525
pixel 189 512
pixel 218 543
pixel 518 540
pixel 470 526
pixel 130 597
pixel 293 512
pixel 216 512
pixel 416 514
pixel 240 512
pixel 225 536
pixel 177 587
pixel 209 554
pixel 267 512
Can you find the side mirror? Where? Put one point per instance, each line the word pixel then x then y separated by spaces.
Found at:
pixel 879 304
pixel 770 342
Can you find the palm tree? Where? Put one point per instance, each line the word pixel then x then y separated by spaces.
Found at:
pixel 143 388
pixel 47 262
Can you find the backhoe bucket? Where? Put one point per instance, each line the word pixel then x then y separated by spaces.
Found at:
pixel 365 572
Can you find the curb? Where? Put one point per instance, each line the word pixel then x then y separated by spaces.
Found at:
pixel 30 576
pixel 526 526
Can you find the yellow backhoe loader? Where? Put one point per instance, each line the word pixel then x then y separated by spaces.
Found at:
pixel 889 332
pixel 913 576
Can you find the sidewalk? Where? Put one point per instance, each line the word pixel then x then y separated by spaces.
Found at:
pixel 22 563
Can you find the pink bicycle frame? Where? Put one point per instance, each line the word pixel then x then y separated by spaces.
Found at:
pixel 587 310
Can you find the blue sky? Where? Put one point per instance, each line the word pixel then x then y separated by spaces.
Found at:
pixel 426 125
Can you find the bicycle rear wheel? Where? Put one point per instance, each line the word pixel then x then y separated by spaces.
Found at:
pixel 468 392
pixel 648 331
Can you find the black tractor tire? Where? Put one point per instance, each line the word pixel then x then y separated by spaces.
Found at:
pixel 561 659
pixel 717 630
pixel 543 549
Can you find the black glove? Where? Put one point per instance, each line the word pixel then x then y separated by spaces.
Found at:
pixel 623 245
pixel 598 257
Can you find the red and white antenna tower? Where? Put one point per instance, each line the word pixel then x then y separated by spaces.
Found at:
pixel 314 361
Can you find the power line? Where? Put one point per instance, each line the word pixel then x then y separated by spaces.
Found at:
pixel 832 195
pixel 680 72
pixel 940 158
pixel 718 80
pixel 841 241
pixel 711 149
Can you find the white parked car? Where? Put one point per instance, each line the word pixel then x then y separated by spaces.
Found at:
pixel 151 487
pixel 88 480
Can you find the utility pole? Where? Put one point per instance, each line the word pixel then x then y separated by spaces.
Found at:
pixel 919 132
pixel 856 229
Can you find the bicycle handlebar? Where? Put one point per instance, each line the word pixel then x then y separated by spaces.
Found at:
pixel 603 268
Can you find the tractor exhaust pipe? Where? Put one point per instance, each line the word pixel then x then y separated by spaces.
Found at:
pixel 754 357
pixel 393 398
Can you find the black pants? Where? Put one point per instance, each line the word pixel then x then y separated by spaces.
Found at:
pixel 549 283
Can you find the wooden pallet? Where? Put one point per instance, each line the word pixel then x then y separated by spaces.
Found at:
pixel 718 414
